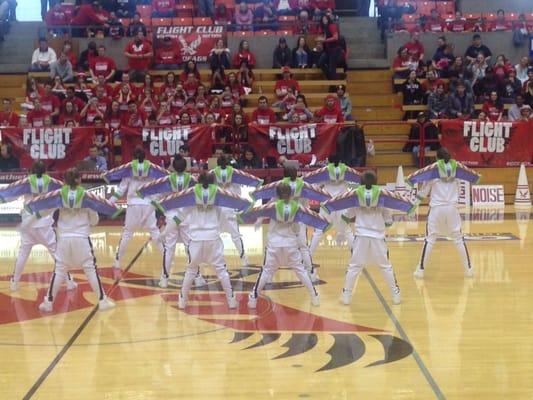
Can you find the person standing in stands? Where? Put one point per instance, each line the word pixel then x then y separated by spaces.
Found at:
pixel 139 54
pixel 333 53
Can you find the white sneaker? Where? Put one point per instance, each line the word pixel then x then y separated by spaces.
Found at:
pixel 346 297
pixel 46 306
pixel 116 264
pixel 419 273
pixel 252 301
pixel 13 286
pixel 469 273
pixel 163 283
pixel 315 300
pixel 71 285
pixel 199 281
pixel 105 304
pixel 182 302
pixel 244 261
pixel 396 298
pixel 232 302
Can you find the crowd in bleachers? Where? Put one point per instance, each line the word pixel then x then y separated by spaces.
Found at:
pixel 116 18
pixel 452 82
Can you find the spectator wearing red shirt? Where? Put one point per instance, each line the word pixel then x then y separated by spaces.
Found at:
pixel 108 89
pixel 202 100
pixel 263 114
pixel 403 64
pixel 90 112
pixel 103 100
pixel 458 24
pixel 90 14
pixel 415 48
pixel 223 15
pixel 333 53
pixel 124 97
pixel 165 116
pixel 493 107
pixel 235 87
pixel 148 101
pixel 8 117
pixel 71 96
pixel 139 54
pixel 102 65
pixel 192 111
pixel 190 68
pixel 168 55
pixel 36 116
pixel 191 85
pixel 434 22
pixel 134 117
pixel 244 54
pixel 500 24
pixel 69 113
pixel 113 118
pixel 432 82
pixel 163 8
pixel 331 112
pixel 49 101
pixel 125 82
pixel 72 57
pixel 285 83
pixel 300 108
pixel 58 15
pixel 215 108
pixel 226 102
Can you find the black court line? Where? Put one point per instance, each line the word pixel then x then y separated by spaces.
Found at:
pixel 78 332
pixel 425 371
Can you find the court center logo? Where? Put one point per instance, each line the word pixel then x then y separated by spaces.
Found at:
pixel 268 324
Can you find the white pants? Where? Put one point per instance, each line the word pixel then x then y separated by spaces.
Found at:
pixel 444 221
pixel 75 252
pixel 304 249
pixel 206 252
pixel 230 225
pixel 139 217
pixel 343 230
pixel 370 251
pixel 32 236
pixel 172 234
pixel 282 256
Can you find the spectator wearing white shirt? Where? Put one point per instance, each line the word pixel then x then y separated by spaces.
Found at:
pixel 62 68
pixel 42 57
pixel 521 69
pixel 513 114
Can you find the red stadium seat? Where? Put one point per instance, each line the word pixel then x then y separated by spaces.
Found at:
pixel 184 10
pixel 472 16
pixel 284 32
pixel 182 21
pixel 242 34
pixel 529 17
pixel 446 7
pixel 287 18
pixel 147 21
pixel 161 21
pixel 425 7
pixel 409 18
pixel 511 17
pixel 145 11
pixel 125 22
pixel 197 21
pixel 489 17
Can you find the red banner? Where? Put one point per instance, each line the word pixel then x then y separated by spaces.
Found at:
pixel 58 147
pixel 162 143
pixel 195 42
pixel 290 140
pixel 490 144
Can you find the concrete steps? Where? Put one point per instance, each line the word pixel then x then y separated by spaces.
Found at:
pixel 365 49
pixel 389 159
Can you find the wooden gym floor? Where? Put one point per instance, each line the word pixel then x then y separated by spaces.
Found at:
pixel 451 337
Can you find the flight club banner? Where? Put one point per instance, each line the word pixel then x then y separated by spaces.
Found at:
pixel 195 42
pixel 58 147
pixel 163 143
pixel 290 141
pixel 491 144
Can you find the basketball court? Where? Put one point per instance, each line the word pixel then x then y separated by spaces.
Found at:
pixel 451 337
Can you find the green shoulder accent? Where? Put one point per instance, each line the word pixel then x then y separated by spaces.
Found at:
pixel 173 179
pixel 34 186
pixel 158 206
pixel 80 193
pixel 332 169
pixel 117 213
pixel 374 197
pixel 199 194
pixel 441 165
pixel 176 220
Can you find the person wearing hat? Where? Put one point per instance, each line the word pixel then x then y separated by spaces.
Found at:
pixel 431 133
pixel 344 102
pixel 282 85
pixel 525 113
pixel 331 112
pixel 282 54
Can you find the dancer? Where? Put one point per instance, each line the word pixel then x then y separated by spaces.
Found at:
pixel 176 230
pixel 301 192
pixel 231 179
pixel 140 215
pixel 287 218
pixel 202 205
pixel 369 204
pixel 440 181
pixel 34 229
pixel 78 211
pixel 336 179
